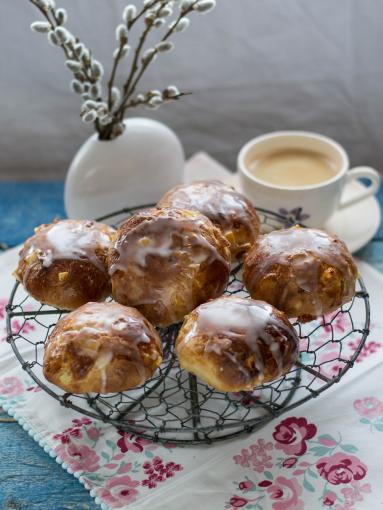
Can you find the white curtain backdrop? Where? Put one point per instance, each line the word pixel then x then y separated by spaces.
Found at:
pixel 253 66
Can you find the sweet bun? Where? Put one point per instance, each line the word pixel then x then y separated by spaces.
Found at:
pixel 165 262
pixel 64 264
pixel 304 272
pixel 235 344
pixel 102 348
pixel 229 210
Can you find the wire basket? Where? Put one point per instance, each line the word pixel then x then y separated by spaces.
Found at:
pixel 176 407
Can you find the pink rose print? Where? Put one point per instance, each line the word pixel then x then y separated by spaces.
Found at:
pixel 79 457
pixel 34 389
pixel 329 364
pixel 93 433
pixel 264 483
pixel 131 442
pixel 75 433
pixel 119 491
pixel 67 434
pixel 156 471
pixel 16 326
pixel 368 349
pixel 294 436
pixel 246 485
pixel 82 421
pixel 63 437
pixel 285 494
pixel 355 492
pixel 291 435
pixel 352 495
pixel 329 498
pixel 339 322
pixel 19 327
pixel 3 304
pixel 238 502
pixel 11 387
pixel 341 468
pixel 257 456
pixel 370 407
pixel 290 462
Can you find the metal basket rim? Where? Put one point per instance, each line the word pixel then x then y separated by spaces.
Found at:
pixel 143 430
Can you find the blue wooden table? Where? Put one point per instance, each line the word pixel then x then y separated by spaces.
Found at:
pixel 29 478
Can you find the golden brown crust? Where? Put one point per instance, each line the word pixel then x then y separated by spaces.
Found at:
pixel 304 272
pixel 228 209
pixel 235 344
pixel 65 263
pixel 102 348
pixel 165 262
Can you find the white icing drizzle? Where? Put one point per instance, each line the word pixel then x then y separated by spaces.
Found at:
pixel 101 364
pixel 166 234
pixel 231 319
pixel 303 250
pixel 219 202
pixel 110 319
pixel 159 255
pixel 162 249
pixel 69 240
pixel 93 322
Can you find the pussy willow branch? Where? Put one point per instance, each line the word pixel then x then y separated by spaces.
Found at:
pixel 107 131
pixel 113 73
pixel 68 47
pixel 120 51
pixel 69 51
pixel 137 102
pixel 109 125
pixel 142 12
pixel 137 53
pixel 131 84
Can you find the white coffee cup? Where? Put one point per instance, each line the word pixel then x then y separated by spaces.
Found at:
pixel 313 204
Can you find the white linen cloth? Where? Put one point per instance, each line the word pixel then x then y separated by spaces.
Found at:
pixel 325 453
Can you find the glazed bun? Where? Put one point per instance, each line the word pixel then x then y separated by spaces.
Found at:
pixel 235 344
pixel 229 210
pixel 304 272
pixel 165 262
pixel 102 348
pixel 65 263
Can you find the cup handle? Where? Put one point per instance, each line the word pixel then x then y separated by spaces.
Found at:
pixel 362 172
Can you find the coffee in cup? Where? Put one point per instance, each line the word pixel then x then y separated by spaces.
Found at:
pixel 299 170
pixel 293 167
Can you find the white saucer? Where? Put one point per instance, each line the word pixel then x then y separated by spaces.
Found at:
pixel 356 225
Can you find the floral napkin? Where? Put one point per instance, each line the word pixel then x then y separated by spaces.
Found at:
pixel 327 453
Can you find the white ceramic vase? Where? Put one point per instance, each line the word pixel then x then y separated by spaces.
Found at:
pixel 136 168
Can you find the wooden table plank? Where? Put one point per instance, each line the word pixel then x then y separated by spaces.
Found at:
pixel 31 480
pixel 24 205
